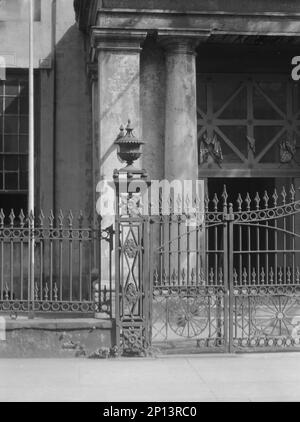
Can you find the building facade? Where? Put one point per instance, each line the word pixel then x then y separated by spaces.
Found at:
pixel 207 86
pixel 231 66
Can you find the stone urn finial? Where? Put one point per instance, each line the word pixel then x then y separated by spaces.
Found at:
pixel 129 147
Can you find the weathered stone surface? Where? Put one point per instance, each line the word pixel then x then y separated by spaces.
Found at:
pixel 181 115
pixel 55 338
pixel 154 14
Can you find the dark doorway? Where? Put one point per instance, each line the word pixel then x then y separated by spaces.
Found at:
pixel 234 186
pixel 253 245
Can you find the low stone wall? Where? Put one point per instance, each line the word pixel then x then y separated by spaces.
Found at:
pixel 54 338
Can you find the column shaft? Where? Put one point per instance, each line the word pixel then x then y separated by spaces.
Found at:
pixel 181 152
pixel 181 157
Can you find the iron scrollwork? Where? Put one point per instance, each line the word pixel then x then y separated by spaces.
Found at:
pixel 130 248
pixel 288 149
pixel 211 147
pixel 107 233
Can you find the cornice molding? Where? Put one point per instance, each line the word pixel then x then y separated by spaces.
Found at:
pixel 117 39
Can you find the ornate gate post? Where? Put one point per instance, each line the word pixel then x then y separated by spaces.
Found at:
pixel 132 236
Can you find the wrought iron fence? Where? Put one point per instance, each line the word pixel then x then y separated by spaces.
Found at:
pixel 68 275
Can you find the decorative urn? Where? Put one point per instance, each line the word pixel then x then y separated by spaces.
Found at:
pixel 129 147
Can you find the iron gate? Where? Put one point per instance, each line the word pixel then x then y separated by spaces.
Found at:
pixel 243 291
pixel 264 263
pixel 220 277
pixel 190 281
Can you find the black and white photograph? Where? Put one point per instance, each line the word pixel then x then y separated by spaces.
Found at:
pixel 149 204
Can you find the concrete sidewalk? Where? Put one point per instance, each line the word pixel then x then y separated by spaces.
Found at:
pixel 257 377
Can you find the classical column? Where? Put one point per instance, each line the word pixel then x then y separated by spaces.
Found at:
pixel 181 151
pixel 118 55
pixel 181 156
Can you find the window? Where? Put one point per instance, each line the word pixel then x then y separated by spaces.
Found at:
pixel 14 143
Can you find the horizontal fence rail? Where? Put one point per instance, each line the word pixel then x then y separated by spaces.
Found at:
pixel 68 275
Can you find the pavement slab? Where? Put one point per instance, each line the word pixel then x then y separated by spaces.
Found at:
pixel 205 378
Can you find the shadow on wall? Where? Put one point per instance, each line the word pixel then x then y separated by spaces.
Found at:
pixel 73 150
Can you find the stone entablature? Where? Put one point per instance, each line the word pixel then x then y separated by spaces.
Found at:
pixel 270 17
pixel 206 5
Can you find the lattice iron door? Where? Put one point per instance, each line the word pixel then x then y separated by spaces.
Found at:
pixel 248 125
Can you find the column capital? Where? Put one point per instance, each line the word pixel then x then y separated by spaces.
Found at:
pixel 117 40
pixel 181 41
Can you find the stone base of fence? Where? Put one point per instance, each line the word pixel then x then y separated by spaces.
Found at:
pixel 55 338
